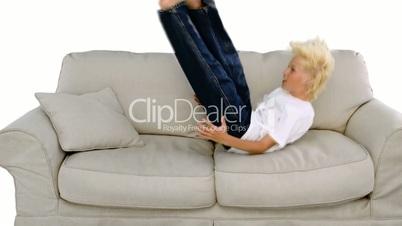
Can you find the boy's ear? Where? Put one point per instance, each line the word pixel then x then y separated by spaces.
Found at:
pixel 309 78
pixel 308 81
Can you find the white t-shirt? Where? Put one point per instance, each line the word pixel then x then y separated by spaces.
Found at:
pixel 284 117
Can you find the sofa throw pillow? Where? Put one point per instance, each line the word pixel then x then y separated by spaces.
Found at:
pixel 89 121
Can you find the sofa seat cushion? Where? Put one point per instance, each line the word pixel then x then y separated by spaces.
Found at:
pixel 321 168
pixel 169 172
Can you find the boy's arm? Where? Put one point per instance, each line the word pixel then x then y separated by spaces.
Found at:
pixel 220 135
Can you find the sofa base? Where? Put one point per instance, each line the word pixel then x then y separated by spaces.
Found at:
pixel 310 222
pixel 106 221
pixel 89 221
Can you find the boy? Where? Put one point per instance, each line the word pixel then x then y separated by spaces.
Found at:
pixel 211 64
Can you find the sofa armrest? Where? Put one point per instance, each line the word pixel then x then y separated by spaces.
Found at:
pixel 30 151
pixel 379 129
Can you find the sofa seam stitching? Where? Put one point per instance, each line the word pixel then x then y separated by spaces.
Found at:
pixel 97 171
pixel 131 206
pixel 296 171
pixel 354 197
pixel 354 112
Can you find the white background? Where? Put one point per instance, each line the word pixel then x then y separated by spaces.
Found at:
pixel 36 35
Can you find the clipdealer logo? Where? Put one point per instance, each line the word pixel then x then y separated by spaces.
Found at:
pixel 163 114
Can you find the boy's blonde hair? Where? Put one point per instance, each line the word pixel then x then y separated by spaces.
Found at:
pixel 317 61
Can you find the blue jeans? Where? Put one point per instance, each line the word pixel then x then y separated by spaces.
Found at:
pixel 211 64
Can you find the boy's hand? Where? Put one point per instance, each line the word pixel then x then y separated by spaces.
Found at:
pixel 211 132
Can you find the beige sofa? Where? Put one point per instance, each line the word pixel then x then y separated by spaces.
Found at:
pixel 345 171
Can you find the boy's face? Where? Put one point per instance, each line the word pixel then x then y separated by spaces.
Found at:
pixel 294 78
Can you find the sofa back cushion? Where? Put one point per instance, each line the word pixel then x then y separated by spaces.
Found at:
pixel 157 98
pixel 347 89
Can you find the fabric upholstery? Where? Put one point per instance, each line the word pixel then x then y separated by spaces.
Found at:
pixel 128 73
pixel 312 171
pixel 135 77
pixel 168 172
pixel 89 121
pixel 379 128
pixel 106 221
